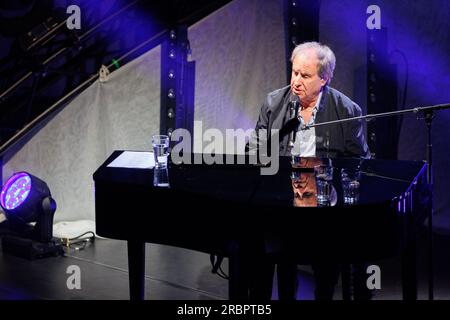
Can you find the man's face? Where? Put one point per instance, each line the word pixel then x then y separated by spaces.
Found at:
pixel 305 80
pixel 304 183
pixel 305 190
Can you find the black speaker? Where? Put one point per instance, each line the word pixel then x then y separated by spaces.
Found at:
pixel 382 133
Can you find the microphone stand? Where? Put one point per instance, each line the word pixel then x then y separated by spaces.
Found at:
pixel 293 115
pixel 428 117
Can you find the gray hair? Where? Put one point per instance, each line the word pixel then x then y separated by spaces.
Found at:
pixel 326 57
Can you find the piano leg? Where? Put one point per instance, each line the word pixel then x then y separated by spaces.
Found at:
pixel 237 269
pixel 346 274
pixel 250 271
pixel 237 282
pixel 409 260
pixel 136 269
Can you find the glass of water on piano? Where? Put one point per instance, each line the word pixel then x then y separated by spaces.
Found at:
pixel 161 150
pixel 161 153
pixel 350 179
pixel 324 182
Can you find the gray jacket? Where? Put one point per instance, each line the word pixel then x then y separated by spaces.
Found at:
pixel 345 139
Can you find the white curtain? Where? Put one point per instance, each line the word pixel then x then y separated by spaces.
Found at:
pixel 122 113
pixel 240 57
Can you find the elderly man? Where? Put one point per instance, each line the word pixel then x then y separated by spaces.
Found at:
pixel 312 70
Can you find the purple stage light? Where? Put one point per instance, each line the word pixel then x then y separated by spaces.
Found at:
pixel 21 197
pixel 25 199
pixel 15 191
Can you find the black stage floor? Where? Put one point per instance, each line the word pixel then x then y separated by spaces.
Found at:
pixel 177 274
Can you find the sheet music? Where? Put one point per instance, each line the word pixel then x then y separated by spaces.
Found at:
pixel 133 159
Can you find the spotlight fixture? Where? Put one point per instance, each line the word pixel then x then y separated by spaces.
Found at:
pixel 29 209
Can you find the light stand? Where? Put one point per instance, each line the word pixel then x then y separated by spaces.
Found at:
pixel 32 242
pixel 428 117
pixel 428 120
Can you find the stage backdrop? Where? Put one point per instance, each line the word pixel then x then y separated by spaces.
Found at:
pixel 121 113
pixel 240 57
pixel 419 31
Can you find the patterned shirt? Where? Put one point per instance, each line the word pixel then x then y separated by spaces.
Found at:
pixel 305 140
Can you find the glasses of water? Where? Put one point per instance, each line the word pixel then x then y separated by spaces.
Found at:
pixel 350 179
pixel 324 182
pixel 161 153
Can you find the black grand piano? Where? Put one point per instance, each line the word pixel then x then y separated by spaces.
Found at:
pixel 232 210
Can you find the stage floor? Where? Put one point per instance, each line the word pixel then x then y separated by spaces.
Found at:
pixel 177 274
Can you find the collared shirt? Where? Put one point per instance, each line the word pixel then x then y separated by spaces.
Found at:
pixel 305 140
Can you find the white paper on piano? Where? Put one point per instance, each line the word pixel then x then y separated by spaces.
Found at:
pixel 133 159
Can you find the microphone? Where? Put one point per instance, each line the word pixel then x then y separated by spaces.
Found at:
pixel 294 105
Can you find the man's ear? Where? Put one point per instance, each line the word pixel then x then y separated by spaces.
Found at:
pixel 323 81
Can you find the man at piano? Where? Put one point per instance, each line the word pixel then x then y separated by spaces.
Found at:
pixel 312 70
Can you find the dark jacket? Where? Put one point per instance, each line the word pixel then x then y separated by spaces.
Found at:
pixel 337 140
